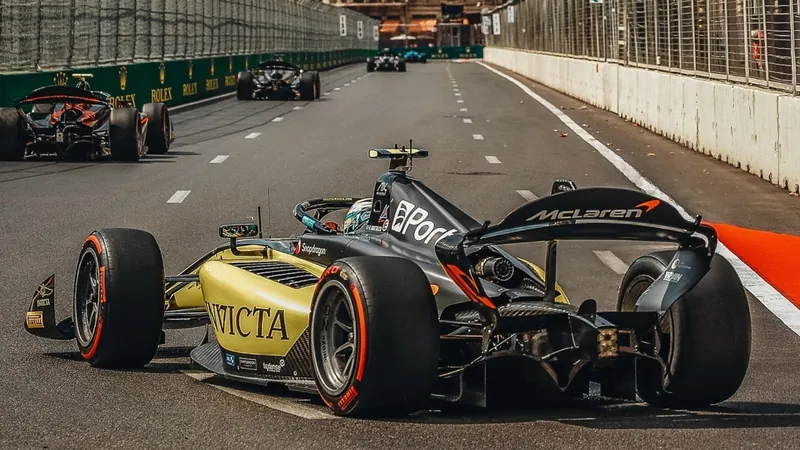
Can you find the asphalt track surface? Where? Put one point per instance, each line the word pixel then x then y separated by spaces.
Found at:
pixel 487 153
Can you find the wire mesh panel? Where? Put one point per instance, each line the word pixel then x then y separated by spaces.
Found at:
pixel 53 34
pixel 750 41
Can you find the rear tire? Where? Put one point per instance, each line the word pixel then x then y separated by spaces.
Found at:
pixel 370 66
pixel 308 87
pixel 158 128
pixel 401 67
pixel 125 134
pixel 121 272
pixel 244 86
pixel 12 135
pixel 393 337
pixel 705 335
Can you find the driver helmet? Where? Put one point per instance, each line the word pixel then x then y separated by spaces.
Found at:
pixel 358 215
pixel 83 84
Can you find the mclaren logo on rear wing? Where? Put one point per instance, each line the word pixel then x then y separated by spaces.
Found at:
pixel 568 214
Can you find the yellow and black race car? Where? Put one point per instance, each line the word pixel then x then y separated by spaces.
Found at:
pixel 422 303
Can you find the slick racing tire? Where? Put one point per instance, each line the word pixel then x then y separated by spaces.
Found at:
pixel 244 86
pixel 374 337
pixel 318 83
pixel 370 66
pixel 308 87
pixel 125 134
pixel 159 128
pixel 12 136
pixel 118 301
pixel 704 336
pixel 401 66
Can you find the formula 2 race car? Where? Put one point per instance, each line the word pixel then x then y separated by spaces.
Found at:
pixel 76 122
pixel 415 56
pixel 422 303
pixel 277 80
pixel 386 61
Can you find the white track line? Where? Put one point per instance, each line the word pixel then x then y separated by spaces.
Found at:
pixel 201 102
pixel 327 93
pixel 463 110
pixel 219 159
pixel 467 120
pixel 287 405
pixel 477 137
pixel 347 84
pixel 763 291
pixel 527 195
pixel 179 196
pixel 455 89
pixel 492 159
pixel 612 261
pixel 337 89
pixel 278 119
pixel 457 94
pixel 252 135
pixel 297 108
pixel 459 101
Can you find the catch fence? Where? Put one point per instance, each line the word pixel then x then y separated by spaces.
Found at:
pixel 746 41
pixel 57 34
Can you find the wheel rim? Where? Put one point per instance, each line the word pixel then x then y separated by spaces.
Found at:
pixel 335 338
pixel 666 326
pixel 87 297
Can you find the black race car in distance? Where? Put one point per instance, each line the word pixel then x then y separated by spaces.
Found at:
pixel 277 80
pixel 77 123
pixel 424 302
pixel 386 61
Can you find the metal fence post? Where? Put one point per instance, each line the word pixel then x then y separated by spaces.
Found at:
pixel 727 43
pixel 766 47
pixel 694 38
pixel 793 48
pixel 669 39
pixel 708 36
pixel 746 36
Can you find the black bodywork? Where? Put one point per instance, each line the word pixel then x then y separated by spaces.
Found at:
pixel 386 61
pixel 278 80
pixel 495 311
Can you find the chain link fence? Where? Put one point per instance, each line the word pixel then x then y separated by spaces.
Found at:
pixel 56 34
pixel 746 41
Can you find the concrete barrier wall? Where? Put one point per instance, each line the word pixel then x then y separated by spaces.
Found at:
pixel 753 129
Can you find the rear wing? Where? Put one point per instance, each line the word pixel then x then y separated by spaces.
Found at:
pixel 276 64
pixel 589 214
pixel 60 94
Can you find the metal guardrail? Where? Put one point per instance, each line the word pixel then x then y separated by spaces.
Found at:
pixel 58 34
pixel 743 41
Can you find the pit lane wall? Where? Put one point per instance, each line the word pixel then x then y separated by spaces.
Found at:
pixel 171 82
pixel 753 129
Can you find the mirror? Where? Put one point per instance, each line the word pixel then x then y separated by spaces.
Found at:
pixel 234 231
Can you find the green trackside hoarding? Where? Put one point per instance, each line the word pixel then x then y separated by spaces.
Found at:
pixel 171 82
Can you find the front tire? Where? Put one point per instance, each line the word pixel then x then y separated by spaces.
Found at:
pixel 374 337
pixel 118 301
pixel 705 336
pixel 308 87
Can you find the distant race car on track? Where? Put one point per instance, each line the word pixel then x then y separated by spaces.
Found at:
pixel 278 80
pixel 386 61
pixel 410 299
pixel 415 56
pixel 76 122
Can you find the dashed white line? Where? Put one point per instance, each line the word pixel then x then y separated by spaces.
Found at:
pixel 347 84
pixel 278 119
pixel 463 110
pixel 492 159
pixel 467 120
pixel 477 137
pixel 337 89
pixel 297 108
pixel 252 135
pixel 458 94
pixel 612 261
pixel 327 93
pixel 219 159
pixel 179 196
pixel 455 89
pixel 776 302
pixel 459 101
pixel 287 405
pixel 527 195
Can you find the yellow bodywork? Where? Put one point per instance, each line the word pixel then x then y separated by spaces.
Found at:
pixel 251 314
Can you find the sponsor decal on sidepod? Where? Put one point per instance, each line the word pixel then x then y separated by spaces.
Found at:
pixel 408 215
